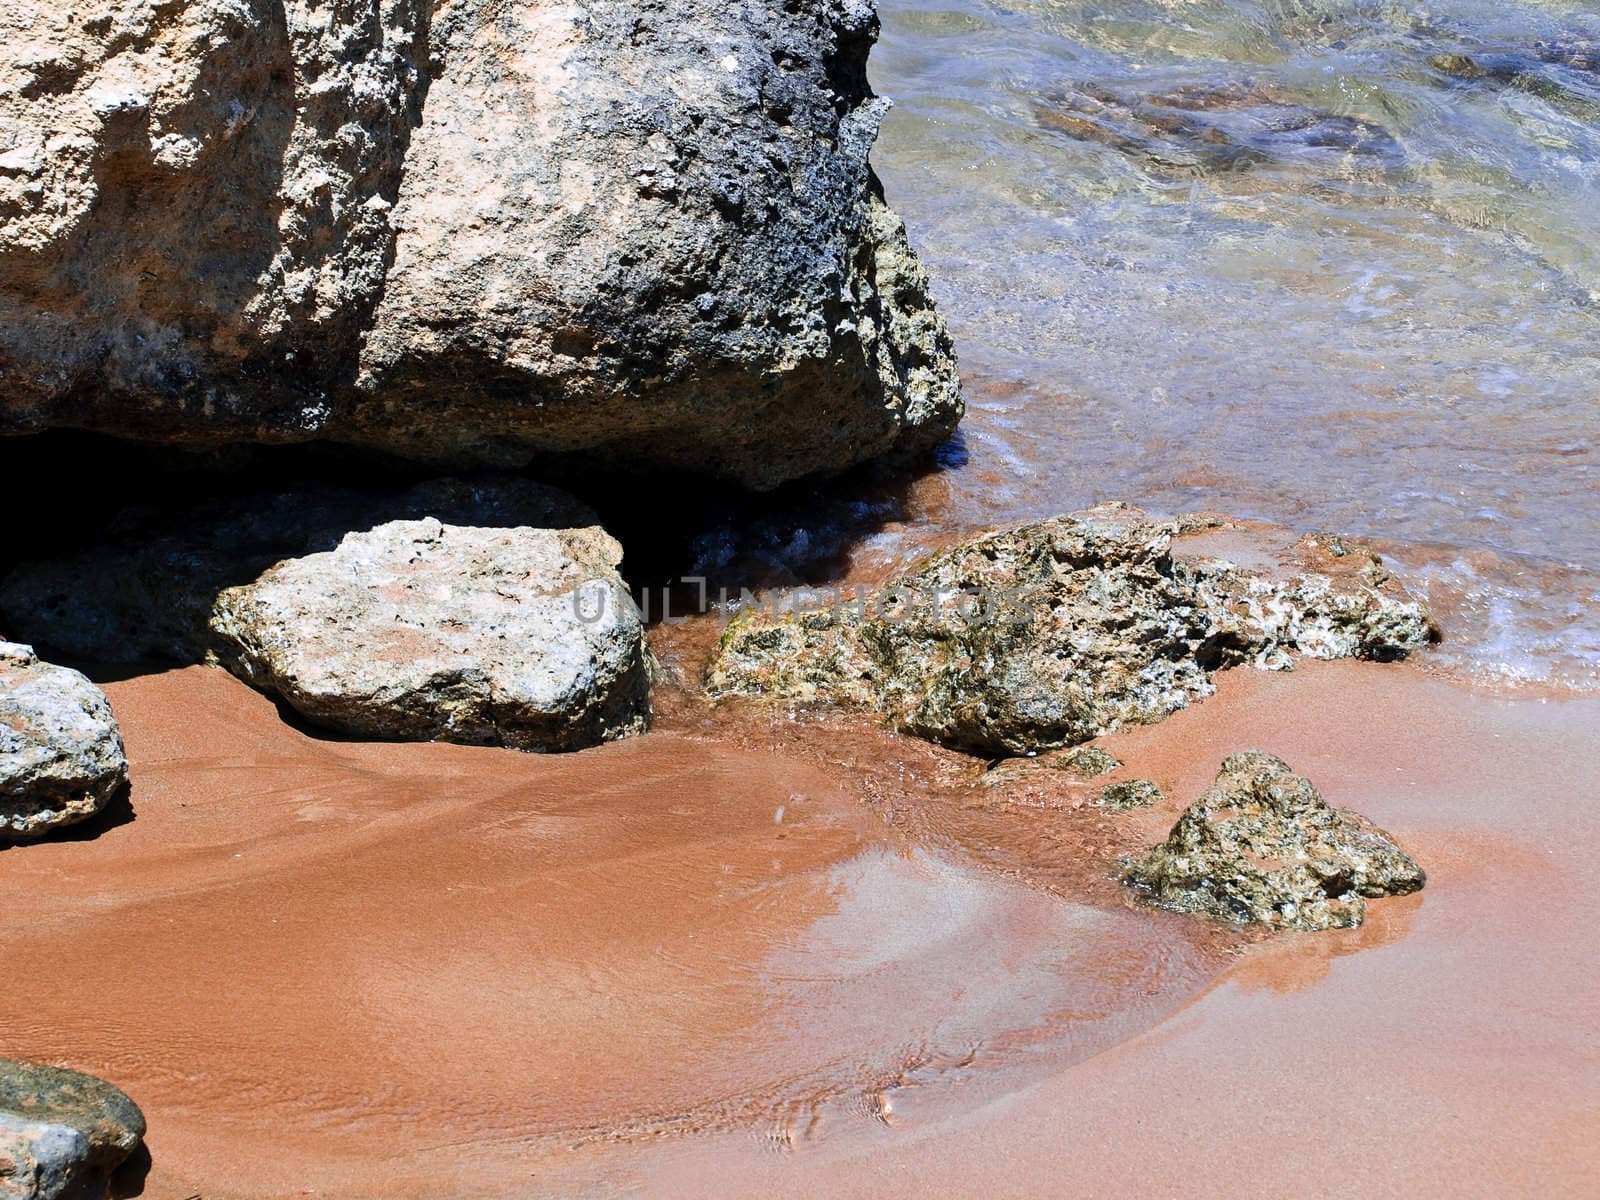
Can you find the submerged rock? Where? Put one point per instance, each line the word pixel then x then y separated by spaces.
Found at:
pixel 1208 130
pixel 1080 763
pixel 465 233
pixel 487 612
pixel 1054 633
pixel 1130 793
pixel 61 758
pixel 62 1134
pixel 1262 845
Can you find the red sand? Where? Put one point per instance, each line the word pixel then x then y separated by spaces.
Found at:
pixel 367 971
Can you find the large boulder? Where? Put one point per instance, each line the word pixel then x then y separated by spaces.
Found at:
pixel 489 612
pixel 462 232
pixel 61 758
pixel 1054 633
pixel 1262 845
pixel 62 1134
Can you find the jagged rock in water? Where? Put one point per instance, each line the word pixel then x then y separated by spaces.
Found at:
pixel 488 612
pixel 1262 845
pixel 1129 793
pixel 1054 633
pixel 61 758
pixel 466 233
pixel 62 1133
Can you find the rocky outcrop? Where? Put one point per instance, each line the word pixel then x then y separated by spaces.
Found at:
pixel 466 233
pixel 61 758
pixel 488 613
pixel 62 1134
pixel 1262 845
pixel 1054 633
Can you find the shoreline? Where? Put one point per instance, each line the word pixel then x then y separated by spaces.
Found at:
pixel 429 926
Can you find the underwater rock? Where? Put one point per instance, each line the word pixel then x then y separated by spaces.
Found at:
pixel 1216 129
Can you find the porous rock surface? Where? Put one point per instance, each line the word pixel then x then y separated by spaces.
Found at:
pixel 486 612
pixel 1262 845
pixel 61 758
pixel 1053 633
pixel 62 1133
pixel 422 631
pixel 464 232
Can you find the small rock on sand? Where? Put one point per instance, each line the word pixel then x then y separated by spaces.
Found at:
pixel 1262 845
pixel 62 1133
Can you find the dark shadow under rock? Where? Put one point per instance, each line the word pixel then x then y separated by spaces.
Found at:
pixel 489 612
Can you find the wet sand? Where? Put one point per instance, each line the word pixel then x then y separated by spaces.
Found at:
pixel 424 970
pixel 1451 1046
pixel 361 970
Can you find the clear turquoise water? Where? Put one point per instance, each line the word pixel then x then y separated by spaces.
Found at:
pixel 1284 260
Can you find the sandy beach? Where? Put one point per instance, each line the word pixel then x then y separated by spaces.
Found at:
pixel 721 953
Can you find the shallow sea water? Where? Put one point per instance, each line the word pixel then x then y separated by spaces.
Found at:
pixel 1330 264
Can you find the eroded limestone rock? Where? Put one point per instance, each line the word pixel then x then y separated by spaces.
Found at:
pixel 61 758
pixel 422 631
pixel 463 232
pixel 1129 793
pixel 1262 845
pixel 1054 633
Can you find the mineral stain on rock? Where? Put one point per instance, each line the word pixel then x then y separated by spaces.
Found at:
pixel 1262 845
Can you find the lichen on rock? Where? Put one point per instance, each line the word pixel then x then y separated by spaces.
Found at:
pixel 1129 793
pixel 1054 633
pixel 62 1133
pixel 1080 763
pixel 1262 845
